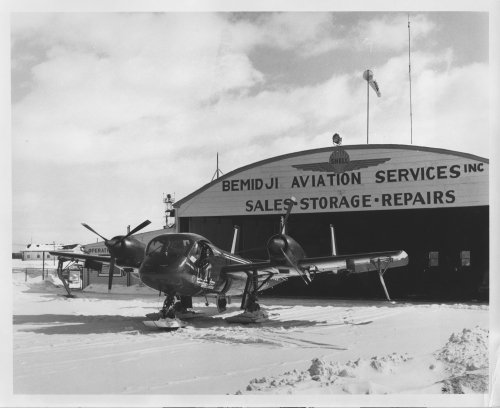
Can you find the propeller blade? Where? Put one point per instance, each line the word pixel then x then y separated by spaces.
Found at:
pixel 111 271
pixel 291 203
pixel 138 228
pixel 95 232
pixel 305 276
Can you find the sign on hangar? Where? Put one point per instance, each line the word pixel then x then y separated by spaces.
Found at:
pixel 346 178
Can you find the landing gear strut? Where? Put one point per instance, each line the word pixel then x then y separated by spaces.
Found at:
pixel 168 309
pixel 252 304
pixel 175 304
pixel 250 301
pixel 382 264
pixel 221 303
pixel 60 269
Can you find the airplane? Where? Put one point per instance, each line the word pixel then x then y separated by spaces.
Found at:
pixel 183 265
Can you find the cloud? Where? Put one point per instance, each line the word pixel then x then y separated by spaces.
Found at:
pixel 174 51
pixel 89 109
pixel 390 32
pixel 285 120
pixel 123 107
pixel 449 104
pixel 306 33
pixel 110 81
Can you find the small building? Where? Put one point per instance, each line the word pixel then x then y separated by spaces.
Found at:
pixel 40 252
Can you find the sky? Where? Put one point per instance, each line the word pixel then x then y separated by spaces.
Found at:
pixel 110 111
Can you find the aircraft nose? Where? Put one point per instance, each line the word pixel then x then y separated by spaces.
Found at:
pixel 161 275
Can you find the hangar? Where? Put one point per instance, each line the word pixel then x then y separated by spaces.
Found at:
pixel 433 203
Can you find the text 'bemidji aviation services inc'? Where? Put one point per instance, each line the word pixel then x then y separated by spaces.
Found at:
pixel 387 199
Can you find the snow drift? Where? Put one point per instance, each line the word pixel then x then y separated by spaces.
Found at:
pixel 461 366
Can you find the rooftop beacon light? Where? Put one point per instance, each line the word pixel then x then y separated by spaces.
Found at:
pixel 336 139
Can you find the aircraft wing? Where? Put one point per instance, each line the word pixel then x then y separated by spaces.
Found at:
pixel 306 268
pixel 246 267
pixel 355 263
pixel 267 274
pixel 264 270
pixel 85 257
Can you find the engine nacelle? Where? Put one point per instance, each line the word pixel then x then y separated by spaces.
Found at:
pixel 280 245
pixel 127 251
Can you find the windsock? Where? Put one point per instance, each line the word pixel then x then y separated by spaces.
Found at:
pixel 374 85
pixel 368 76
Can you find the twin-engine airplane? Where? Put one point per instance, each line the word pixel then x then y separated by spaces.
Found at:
pixel 183 265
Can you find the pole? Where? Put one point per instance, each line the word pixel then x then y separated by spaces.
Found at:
pixel 367 109
pixel 332 240
pixel 43 265
pixel 218 171
pixel 409 76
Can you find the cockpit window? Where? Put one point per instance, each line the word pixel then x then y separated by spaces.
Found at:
pixel 155 246
pixel 173 247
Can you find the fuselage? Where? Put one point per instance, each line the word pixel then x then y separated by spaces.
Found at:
pixel 188 264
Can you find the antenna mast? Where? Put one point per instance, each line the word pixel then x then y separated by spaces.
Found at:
pixel 169 210
pixel 218 172
pixel 409 76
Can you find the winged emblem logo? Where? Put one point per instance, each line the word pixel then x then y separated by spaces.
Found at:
pixel 340 162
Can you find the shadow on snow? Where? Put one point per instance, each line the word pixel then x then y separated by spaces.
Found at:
pixel 97 324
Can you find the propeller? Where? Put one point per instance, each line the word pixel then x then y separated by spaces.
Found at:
pixel 95 232
pixel 114 245
pixel 111 273
pixel 291 203
pixel 303 274
pixel 138 228
pixel 278 244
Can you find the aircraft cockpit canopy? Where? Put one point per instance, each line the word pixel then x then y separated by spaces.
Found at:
pixel 173 247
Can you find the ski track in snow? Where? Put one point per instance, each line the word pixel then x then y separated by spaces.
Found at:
pixel 77 345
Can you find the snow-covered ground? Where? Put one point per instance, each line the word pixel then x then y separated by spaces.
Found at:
pixel 96 343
